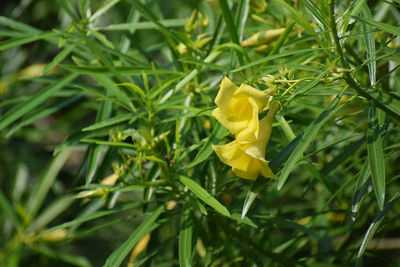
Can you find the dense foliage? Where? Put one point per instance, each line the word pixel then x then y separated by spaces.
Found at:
pixel 107 133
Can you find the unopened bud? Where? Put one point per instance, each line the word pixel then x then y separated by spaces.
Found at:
pixel 259 5
pixel 182 49
pixel 190 25
pixel 55 236
pixel 262 48
pixel 264 37
pixel 204 19
pixel 110 180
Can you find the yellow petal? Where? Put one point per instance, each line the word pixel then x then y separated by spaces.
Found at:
pixel 234 126
pixel 225 92
pixel 260 97
pixel 252 128
pixel 243 164
pixel 254 168
pixel 238 108
pixel 227 153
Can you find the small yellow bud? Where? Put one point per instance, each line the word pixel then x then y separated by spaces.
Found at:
pixel 304 221
pixel 335 217
pixel 201 248
pixel 140 246
pixel 269 80
pixel 264 37
pixel 171 205
pixel 207 124
pixel 55 236
pixel 190 25
pixel 3 87
pixel 262 48
pixel 201 41
pixel 33 70
pixel 182 49
pixel 259 5
pixel 110 180
pixel 204 20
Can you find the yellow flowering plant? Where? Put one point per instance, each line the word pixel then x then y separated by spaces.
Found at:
pixel 109 111
pixel 238 110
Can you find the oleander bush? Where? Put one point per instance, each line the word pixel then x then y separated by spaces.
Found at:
pixel 199 133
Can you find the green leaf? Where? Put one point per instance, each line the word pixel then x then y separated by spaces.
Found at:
pixel 375 156
pixel 114 90
pixel 38 98
pixel 112 121
pixel 373 227
pixel 52 211
pixel 14 24
pixel 361 189
pixel 109 143
pixel 205 152
pixel 265 60
pixel 237 217
pixel 353 9
pixel 226 15
pixel 41 188
pixel 383 100
pixel 309 85
pixel 24 40
pixel 201 193
pixel 278 43
pixel 149 224
pixel 295 15
pixel 241 18
pixel 94 150
pixel 41 113
pixel 60 255
pixel 369 40
pixel 60 57
pixel 94 215
pixel 316 13
pixel 204 64
pixel 103 8
pixel 185 239
pixel 143 25
pixel 395 30
pixel 122 70
pixel 337 161
pixel 7 209
pixel 274 164
pixel 309 135
pixel 255 188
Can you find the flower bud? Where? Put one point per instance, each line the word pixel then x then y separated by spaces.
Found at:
pixel 263 37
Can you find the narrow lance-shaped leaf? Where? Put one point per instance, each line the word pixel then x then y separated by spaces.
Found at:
pixel 395 30
pixel 274 164
pixel 373 227
pixel 369 40
pixel 60 57
pixel 7 209
pixel 201 193
pixel 230 24
pixel 361 189
pixel 376 156
pixel 218 132
pixel 116 258
pixel 39 193
pixel 307 138
pixel 94 149
pixel 21 109
pixel 185 239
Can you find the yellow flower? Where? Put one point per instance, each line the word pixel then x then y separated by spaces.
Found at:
pixel 246 154
pixel 238 107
